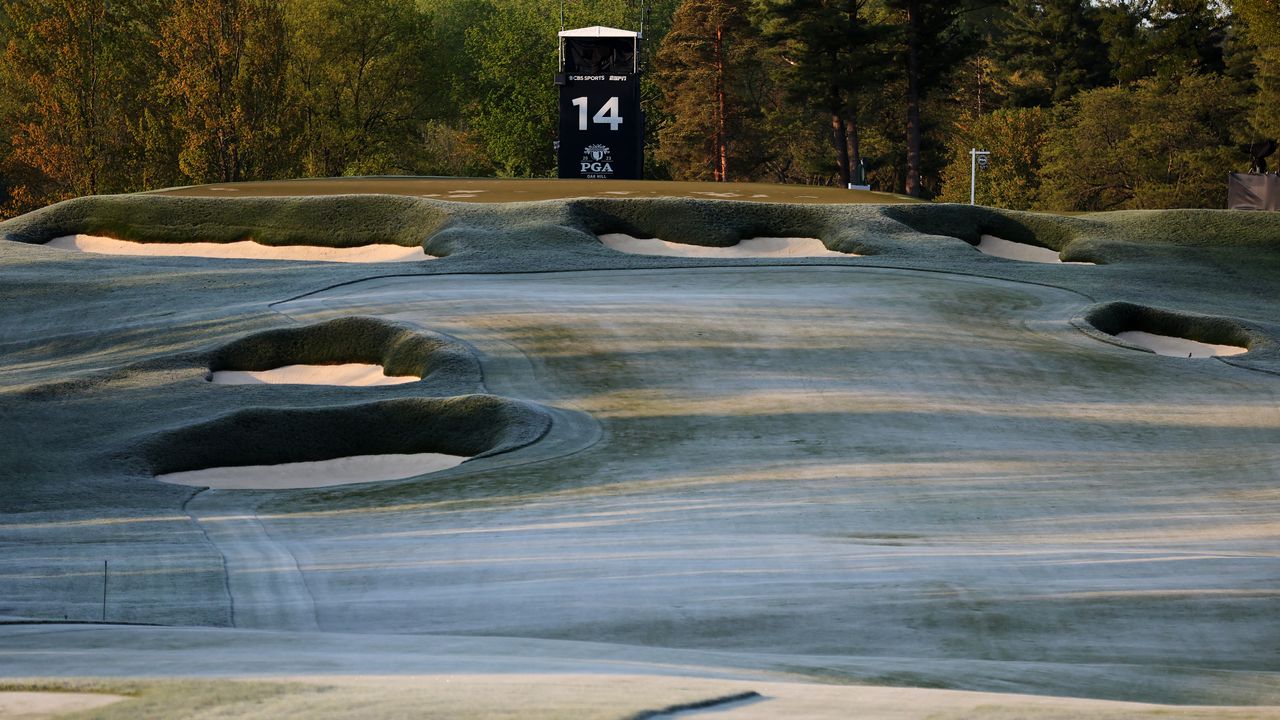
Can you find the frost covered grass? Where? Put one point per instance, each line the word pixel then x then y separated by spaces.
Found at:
pixel 832 460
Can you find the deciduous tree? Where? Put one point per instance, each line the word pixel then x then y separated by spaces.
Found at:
pixel 72 92
pixel 1015 137
pixel 1156 144
pixel 224 73
pixel 1261 25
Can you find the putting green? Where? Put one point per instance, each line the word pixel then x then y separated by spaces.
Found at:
pixel 500 190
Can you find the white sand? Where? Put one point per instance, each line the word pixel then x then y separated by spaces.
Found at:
pixel 1176 346
pixel 1009 250
pixel 31 705
pixel 349 374
pixel 323 473
pixel 245 249
pixel 762 247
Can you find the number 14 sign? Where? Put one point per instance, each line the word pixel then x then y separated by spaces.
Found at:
pixel 601 128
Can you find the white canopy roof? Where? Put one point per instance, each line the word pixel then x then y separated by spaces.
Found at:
pixel 598 31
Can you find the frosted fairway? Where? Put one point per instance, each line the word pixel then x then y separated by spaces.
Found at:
pixel 347 374
pixel 761 247
pixel 1176 346
pixel 323 473
pixel 243 250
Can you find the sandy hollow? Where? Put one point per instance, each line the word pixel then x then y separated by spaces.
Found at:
pixel 51 704
pixel 761 247
pixel 1176 346
pixel 245 249
pixel 1009 250
pixel 322 473
pixel 349 374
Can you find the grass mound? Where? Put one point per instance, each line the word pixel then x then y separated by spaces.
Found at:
pixel 399 349
pixel 1114 318
pixel 498 229
pixel 334 221
pixel 699 222
pixel 470 425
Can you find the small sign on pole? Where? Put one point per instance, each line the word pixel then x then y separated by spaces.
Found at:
pixel 977 159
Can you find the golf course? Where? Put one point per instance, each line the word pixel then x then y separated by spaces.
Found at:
pixel 480 448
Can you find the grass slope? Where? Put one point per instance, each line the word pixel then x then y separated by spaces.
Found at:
pixel 104 358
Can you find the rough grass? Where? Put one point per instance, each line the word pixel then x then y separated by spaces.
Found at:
pixel 447 228
pixel 335 221
pixel 473 425
pixel 1116 317
pixel 399 349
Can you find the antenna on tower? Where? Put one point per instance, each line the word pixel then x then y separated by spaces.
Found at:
pixel 561 15
pixel 644 15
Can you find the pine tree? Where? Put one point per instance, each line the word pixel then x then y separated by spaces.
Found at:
pixel 929 46
pixel 705 67
pixel 1051 50
pixel 832 55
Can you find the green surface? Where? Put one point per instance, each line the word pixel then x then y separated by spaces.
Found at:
pixel 910 467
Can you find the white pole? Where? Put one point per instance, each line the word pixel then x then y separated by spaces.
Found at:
pixel 973 175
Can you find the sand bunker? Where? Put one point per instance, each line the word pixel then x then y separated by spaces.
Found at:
pixel 323 473
pixel 24 704
pixel 245 249
pixel 1009 250
pixel 1176 346
pixel 349 374
pixel 762 247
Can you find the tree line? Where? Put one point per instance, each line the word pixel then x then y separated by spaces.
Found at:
pixel 1084 105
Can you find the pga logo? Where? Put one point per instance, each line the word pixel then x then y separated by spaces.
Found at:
pixel 596 159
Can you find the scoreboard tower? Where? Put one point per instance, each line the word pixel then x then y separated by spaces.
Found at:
pixel 601 126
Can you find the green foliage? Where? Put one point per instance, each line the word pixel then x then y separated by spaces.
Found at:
pixel 225 77
pixel 1015 137
pixel 360 70
pixel 931 42
pixel 1156 144
pixel 1261 25
pixel 709 69
pixel 1052 50
pixel 515 102
pixel 71 84
pixel 126 95
pixel 828 56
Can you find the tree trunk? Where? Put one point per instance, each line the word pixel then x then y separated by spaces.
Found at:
pixel 721 172
pixel 842 148
pixel 913 99
pixel 855 145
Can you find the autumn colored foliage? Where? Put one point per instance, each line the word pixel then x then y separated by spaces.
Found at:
pixel 1084 105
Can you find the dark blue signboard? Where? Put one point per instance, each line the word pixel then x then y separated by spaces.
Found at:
pixel 601 126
